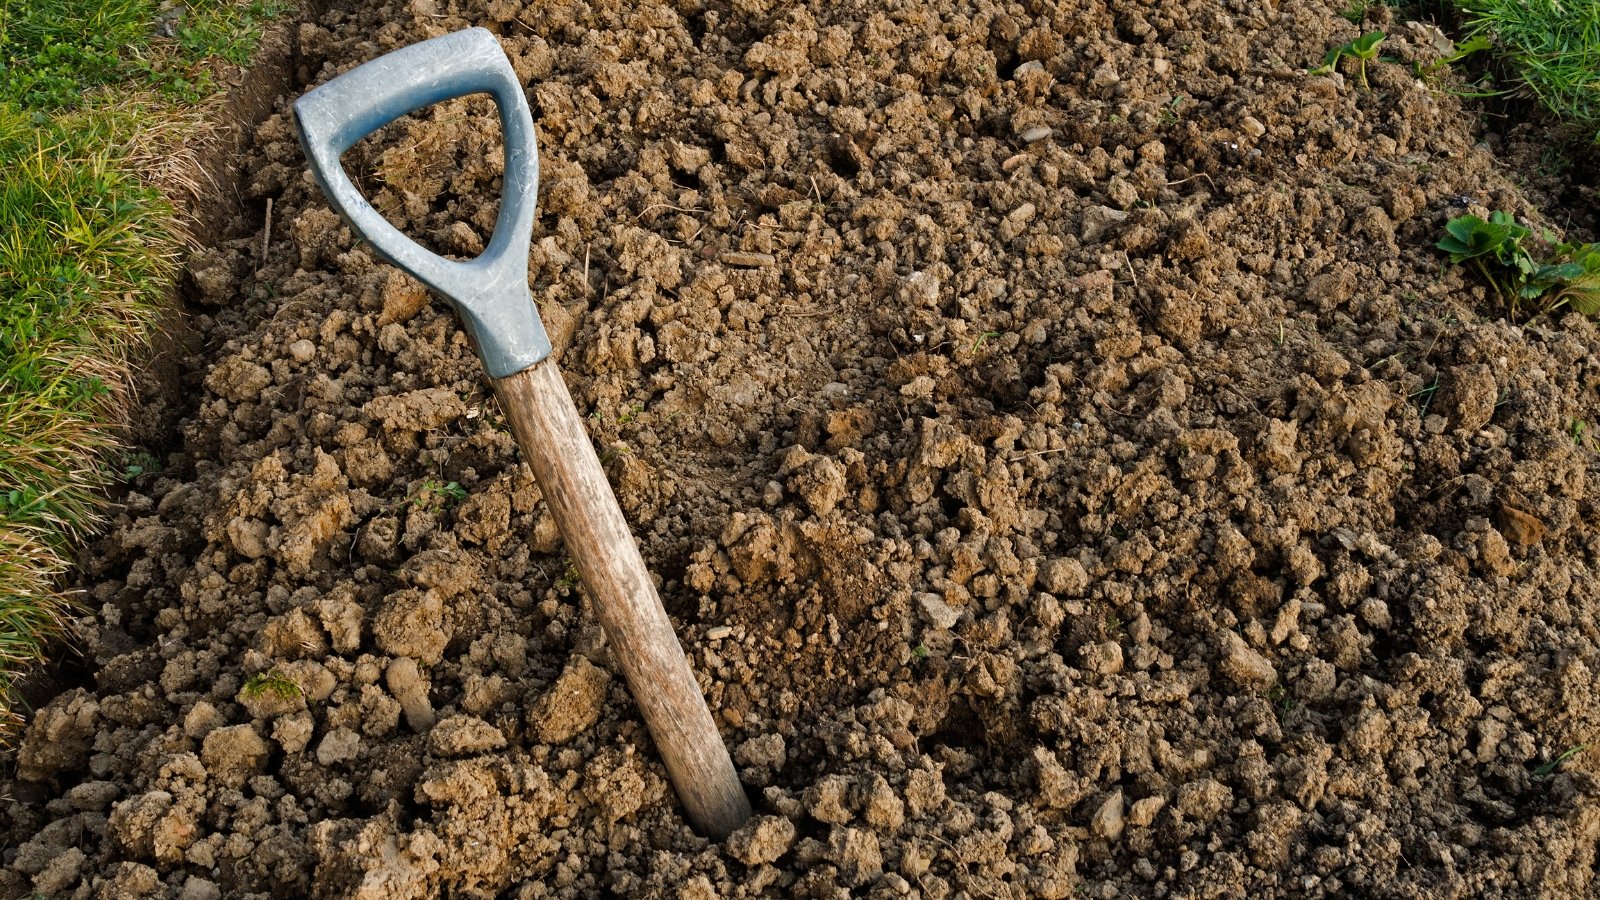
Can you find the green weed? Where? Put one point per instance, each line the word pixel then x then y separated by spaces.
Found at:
pixel 1568 276
pixel 1549 768
pixel 443 493
pixel 569 577
pixel 1363 50
pixel 1552 48
pixel 140 463
pixel 87 252
pixel 1579 431
pixel 272 682
pixel 55 54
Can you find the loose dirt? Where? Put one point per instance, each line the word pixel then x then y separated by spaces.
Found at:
pixel 1070 468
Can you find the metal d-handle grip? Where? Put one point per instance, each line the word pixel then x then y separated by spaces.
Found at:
pixel 490 293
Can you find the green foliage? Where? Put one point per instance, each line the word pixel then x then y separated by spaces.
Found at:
pixel 436 492
pixel 1568 276
pixel 55 53
pixel 54 50
pixel 1581 435
pixel 1363 50
pixel 141 463
pixel 272 682
pixel 569 577
pixel 1549 768
pixel 86 256
pixel 1552 48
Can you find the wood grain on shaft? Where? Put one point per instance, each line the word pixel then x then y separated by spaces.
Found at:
pixel 557 448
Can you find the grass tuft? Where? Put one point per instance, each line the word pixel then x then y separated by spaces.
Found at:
pixel 93 95
pixel 1553 48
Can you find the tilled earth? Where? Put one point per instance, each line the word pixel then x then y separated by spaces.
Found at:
pixel 1070 467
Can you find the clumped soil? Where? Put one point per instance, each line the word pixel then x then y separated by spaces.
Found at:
pixel 1069 466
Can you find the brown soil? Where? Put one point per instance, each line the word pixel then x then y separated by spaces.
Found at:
pixel 1069 466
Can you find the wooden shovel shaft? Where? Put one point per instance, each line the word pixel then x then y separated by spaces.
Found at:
pixel 556 446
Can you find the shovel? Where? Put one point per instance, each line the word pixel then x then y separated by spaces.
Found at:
pixel 490 294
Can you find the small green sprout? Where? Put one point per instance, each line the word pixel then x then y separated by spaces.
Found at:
pixel 1282 701
pixel 1356 11
pixel 141 463
pixel 272 681
pixel 978 344
pixel 1426 396
pixel 448 493
pixel 920 651
pixel 1363 49
pixel 1169 112
pixel 569 577
pixel 1463 50
pixel 1549 768
pixel 1582 435
pixel 1114 625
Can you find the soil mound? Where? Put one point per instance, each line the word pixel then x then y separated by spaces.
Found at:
pixel 1068 463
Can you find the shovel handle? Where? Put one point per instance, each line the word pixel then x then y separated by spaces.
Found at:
pixel 490 293
pixel 553 441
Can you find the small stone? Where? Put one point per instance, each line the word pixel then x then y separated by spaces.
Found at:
pixel 1252 126
pixel 719 633
pixel 936 612
pixel 1244 666
pixel 1108 820
pixel 302 350
pixel 748 259
pixel 1035 134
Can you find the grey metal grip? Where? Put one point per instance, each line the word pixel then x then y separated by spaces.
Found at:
pixel 490 293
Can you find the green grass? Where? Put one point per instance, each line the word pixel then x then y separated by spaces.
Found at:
pixel 88 89
pixel 1552 48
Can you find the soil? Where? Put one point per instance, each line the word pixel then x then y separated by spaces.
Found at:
pixel 1069 465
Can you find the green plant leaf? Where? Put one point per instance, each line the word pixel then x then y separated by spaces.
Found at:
pixel 1585 301
pixel 1366 46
